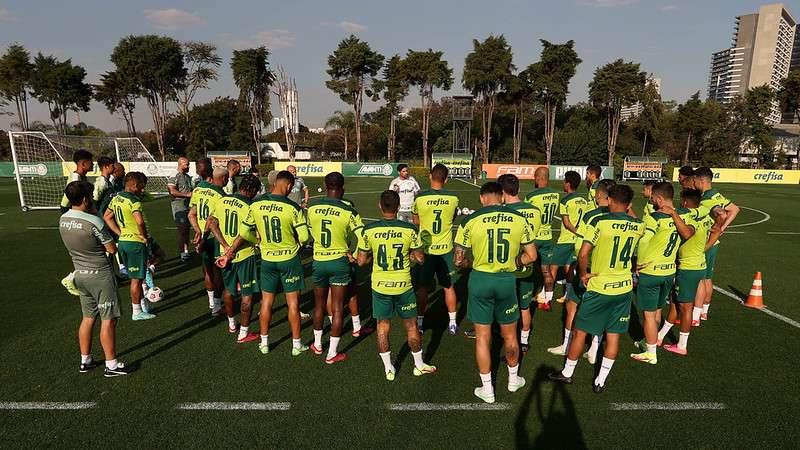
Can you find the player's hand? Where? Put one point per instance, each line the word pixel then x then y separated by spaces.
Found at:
pixel 196 239
pixel 350 258
pixel 666 208
pixel 199 246
pixel 585 278
pixel 641 266
pixel 222 261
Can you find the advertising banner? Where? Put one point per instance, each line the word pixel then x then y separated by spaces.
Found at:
pixel 557 172
pixel 522 171
pixel 310 168
pixel 459 165
pixel 222 161
pixel 751 176
pixel 158 169
pixel 369 170
pixel 642 170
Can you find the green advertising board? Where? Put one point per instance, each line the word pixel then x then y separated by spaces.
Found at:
pixel 40 169
pixel 459 164
pixel 369 169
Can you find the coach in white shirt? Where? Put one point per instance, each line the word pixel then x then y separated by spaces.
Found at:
pixel 407 187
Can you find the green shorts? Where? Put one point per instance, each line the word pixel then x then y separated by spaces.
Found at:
pixel 386 306
pixel 653 291
pixel 98 293
pixel 575 294
pixel 544 247
pixel 331 273
pixel 563 255
pixel 439 266
pixel 283 276
pixel 210 251
pixel 242 274
pixel 525 287
pixel 134 255
pixel 711 257
pixel 686 284
pixel 600 312
pixel 492 298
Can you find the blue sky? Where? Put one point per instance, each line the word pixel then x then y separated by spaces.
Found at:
pixel 673 39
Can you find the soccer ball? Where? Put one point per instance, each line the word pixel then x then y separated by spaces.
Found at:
pixel 465 211
pixel 154 295
pixel 319 189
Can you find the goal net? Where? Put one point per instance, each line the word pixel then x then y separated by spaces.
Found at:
pixel 43 163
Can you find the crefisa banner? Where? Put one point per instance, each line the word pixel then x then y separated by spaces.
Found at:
pixel 751 176
pixel 311 168
pixel 459 164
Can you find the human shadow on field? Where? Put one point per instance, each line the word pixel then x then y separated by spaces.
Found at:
pixel 201 319
pixel 440 320
pixel 558 421
pixel 635 328
pixel 742 296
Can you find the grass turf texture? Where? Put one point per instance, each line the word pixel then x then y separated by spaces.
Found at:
pixel 738 358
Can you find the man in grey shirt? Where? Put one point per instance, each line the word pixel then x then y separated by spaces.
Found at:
pixel 180 188
pixel 87 240
pixel 299 192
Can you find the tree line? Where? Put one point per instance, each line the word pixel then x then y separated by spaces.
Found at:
pixel 166 75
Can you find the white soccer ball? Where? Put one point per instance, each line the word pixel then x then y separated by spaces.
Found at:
pixel 319 189
pixel 154 295
pixel 465 211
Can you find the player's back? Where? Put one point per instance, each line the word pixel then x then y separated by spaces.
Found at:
pixel 278 221
pixel 590 196
pixel 614 236
pixel 659 246
pixel 124 205
pixel 331 221
pixel 83 234
pixel 692 252
pixel 203 197
pixel 231 211
pixel 436 209
pixel 573 206
pixel 584 223
pixel 495 234
pixel 390 242
pixel 534 217
pixel 546 199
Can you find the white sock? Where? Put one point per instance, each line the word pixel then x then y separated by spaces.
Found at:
pixel 265 340
pixel 651 348
pixel 86 359
pixel 231 322
pixel 356 323
pixel 486 382
pixel 569 367
pixel 524 335
pixel 452 316
pixel 386 357
pixel 705 307
pixel 296 343
pixel 548 296
pixel 418 359
pixel 419 321
pixel 595 345
pixel 696 313
pixel 683 340
pixel 137 308
pixel 111 364
pixel 318 339
pixel 330 319
pixel 210 299
pixel 334 344
pixel 242 332
pixel 664 330
pixel 567 334
pixel 512 373
pixel 605 368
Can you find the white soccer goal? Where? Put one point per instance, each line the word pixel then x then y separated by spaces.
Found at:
pixel 43 162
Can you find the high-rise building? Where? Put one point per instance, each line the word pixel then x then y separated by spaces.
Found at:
pixel 760 54
pixel 628 112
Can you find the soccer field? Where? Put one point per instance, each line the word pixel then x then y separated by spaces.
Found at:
pixel 737 388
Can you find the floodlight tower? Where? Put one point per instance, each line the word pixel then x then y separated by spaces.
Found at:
pixel 462 123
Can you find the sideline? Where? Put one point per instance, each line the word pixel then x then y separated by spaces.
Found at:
pixel 666 406
pixel 46 405
pixel 426 406
pixel 765 310
pixel 235 406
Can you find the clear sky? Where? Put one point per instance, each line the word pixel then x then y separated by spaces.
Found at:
pixel 673 39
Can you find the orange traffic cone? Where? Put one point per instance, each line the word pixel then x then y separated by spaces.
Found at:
pixel 755 299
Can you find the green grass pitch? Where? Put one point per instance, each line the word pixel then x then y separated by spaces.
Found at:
pixel 742 360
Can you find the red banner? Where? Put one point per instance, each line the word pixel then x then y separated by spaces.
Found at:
pixel 522 171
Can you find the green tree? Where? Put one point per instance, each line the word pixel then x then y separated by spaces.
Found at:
pixel 694 119
pixel 61 86
pixel 487 71
pixel 253 77
pixel 212 126
pixel 427 71
pixel 118 94
pixel 758 105
pixel 395 91
pixel 352 68
pixel 550 78
pixel 615 85
pixel 15 78
pixel 789 93
pixel 344 121
pixel 155 65
pixel 651 114
pixel 201 61
pixel 517 94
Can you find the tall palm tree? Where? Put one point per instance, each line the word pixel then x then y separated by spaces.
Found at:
pixel 344 122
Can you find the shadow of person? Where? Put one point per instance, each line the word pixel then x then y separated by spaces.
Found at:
pixel 557 420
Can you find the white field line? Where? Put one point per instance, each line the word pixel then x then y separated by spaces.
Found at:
pixel 465 181
pixel 42 228
pixel 448 406
pixel 46 405
pixel 666 406
pixel 765 310
pixel 782 232
pixel 235 406
pixel 766 218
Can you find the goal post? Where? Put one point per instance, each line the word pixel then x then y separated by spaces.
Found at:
pixel 133 152
pixel 38 170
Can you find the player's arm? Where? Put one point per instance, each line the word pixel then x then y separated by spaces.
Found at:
pixel 194 223
pixel 108 218
pixel 583 262
pixel 685 230
pixel 732 210
pixel 305 194
pixel 417 256
pixel 212 225
pixel 105 239
pixel 460 258
pixel 527 256
pixel 716 231
pixel 175 193
pixel 139 219
pixel 568 223
pixel 462 242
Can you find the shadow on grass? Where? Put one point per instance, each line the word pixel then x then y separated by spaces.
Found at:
pixel 556 417
pixel 202 319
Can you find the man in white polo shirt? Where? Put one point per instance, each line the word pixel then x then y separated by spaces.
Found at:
pixel 407 187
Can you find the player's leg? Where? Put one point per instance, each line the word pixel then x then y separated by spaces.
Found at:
pixel 525 288
pixel 136 260
pixel 699 299
pixel 212 284
pixel 264 318
pixel 589 319
pixel 609 356
pixel 571 308
pixel 648 300
pixel 293 282
pixel 106 293
pixel 85 342
pixel 337 305
pixel 509 333
pixel 483 358
pixel 383 309
pixel 480 311
pixel 672 317
pixel 405 306
pixel 318 317
pixel 711 258
pixel 423 280
pixel 688 282
pixel 231 283
pixel 616 315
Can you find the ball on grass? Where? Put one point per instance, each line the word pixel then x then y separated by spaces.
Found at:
pixel 319 189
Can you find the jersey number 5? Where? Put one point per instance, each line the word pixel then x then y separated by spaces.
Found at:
pixel 499 247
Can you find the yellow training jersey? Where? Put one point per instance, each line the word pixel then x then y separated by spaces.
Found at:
pixel 711 199
pixel 572 206
pixel 436 209
pixel 546 199
pixel 534 217
pixel 658 248
pixel 692 253
pixel 648 209
pixel 124 205
pixel 231 212
pixel 614 237
pixel 390 242
pixel 587 217
pixel 331 222
pixel 496 235
pixel 281 226
pixel 203 198
pixel 590 200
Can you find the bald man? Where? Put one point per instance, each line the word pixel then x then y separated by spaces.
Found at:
pixel 180 188
pixel 299 192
